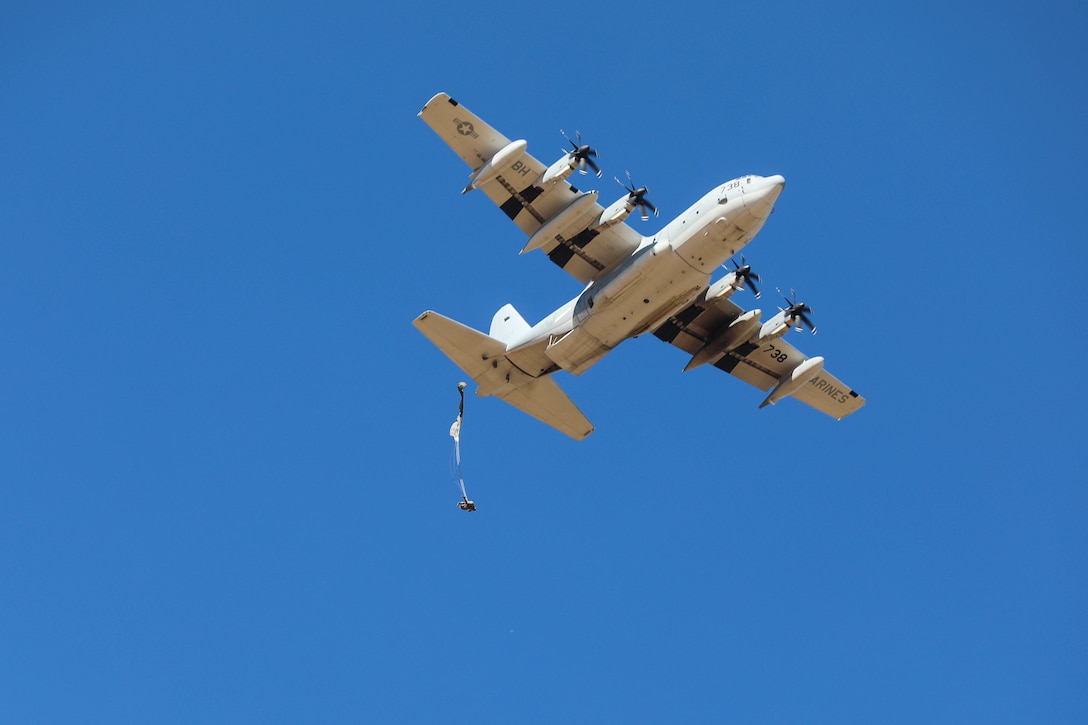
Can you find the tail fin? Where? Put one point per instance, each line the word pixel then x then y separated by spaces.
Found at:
pixel 507 325
pixel 483 359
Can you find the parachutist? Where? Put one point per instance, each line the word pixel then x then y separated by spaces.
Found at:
pixel 455 432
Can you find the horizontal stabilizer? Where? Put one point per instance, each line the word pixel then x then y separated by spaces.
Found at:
pixel 474 352
pixel 482 358
pixel 545 400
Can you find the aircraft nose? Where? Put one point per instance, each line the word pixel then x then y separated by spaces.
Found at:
pixel 760 201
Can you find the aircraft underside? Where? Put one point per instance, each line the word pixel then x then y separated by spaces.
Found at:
pixel 634 283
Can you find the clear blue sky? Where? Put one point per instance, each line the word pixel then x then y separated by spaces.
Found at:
pixel 225 487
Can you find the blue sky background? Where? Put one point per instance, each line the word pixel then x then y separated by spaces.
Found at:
pixel 225 484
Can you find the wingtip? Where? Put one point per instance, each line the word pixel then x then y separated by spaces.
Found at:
pixel 585 435
pixel 437 97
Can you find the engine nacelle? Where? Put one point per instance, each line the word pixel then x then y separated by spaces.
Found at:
pixel 560 170
pixel 506 157
pixel 736 334
pixel 617 212
pixel 723 289
pixel 775 327
pixel 792 382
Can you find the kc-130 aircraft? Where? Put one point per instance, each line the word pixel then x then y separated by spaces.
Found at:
pixel 633 284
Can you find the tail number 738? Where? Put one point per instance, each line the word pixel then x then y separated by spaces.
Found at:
pixel 777 354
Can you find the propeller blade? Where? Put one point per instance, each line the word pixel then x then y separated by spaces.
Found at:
pixel 637 197
pixel 797 312
pixel 746 275
pixel 581 153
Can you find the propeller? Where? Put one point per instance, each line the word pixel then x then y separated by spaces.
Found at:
pixel 798 311
pixel 583 154
pixel 637 197
pixel 744 273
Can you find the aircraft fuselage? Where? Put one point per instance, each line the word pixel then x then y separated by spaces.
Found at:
pixel 668 272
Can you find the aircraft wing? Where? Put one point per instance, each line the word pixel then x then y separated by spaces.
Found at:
pixel 759 365
pixel 515 186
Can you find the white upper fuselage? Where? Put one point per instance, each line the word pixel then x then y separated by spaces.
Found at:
pixel 667 272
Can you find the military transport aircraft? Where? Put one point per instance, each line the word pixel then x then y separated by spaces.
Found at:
pixel 633 284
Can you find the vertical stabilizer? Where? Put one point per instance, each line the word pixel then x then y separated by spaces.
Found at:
pixel 507 325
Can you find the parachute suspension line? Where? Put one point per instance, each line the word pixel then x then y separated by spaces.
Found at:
pixel 455 433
